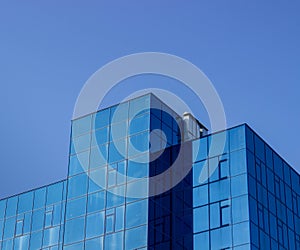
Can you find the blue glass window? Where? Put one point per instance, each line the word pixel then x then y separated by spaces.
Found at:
pixel 55 193
pixel 201 219
pixel 200 195
pixel 77 185
pixel 240 211
pixel 22 242
pixel 96 202
pixel 139 124
pixel 136 213
pixel 218 138
pixel 11 206
pixel 137 169
pixel 118 131
pixel 98 156
pixel 119 112
pixel 79 163
pixel 95 225
pixel 93 244
pixel 136 238
pixel 36 240
pixel 221 238
pixel 97 180
pixel 138 144
pixel 117 151
pixel 201 241
pixel 219 190
pixel 81 126
pixel 9 228
pixel 76 208
pixel 114 241
pixel 200 173
pixel 241 233
pixel 74 230
pixel 38 220
pixel 39 198
pixel 2 208
pixel 113 199
pixel 139 106
pixel 51 236
pixel 81 143
pixel 100 136
pixel 237 138
pixel 238 162
pixel 25 202
pixel 200 149
pixel 101 119
pixel 239 185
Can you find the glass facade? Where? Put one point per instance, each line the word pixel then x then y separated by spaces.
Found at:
pixel 250 201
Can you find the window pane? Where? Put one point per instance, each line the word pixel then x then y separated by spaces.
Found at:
pixel 200 173
pixel 25 202
pixel 239 185
pixel 54 193
pixel 79 163
pixel 219 190
pixel 241 233
pixel 97 180
pixel 2 208
pixel 98 156
pixel 117 151
pixel 38 220
pixel 39 198
pixel 36 240
pixel 201 219
pixel 9 228
pixel 74 230
pixel 201 241
pixel 139 124
pixel 114 241
pixel 118 131
pixel 136 238
pixel 114 200
pixel 136 213
pixel 221 238
pixel 237 138
pixel 138 144
pixel 76 208
pixel 51 236
pixel 200 151
pixel 200 195
pixel 119 112
pixel 238 162
pixel 77 185
pixel 81 126
pixel 93 244
pixel 101 119
pixel 240 210
pixel 95 225
pixel 100 136
pixel 11 206
pixel 81 143
pixel 96 202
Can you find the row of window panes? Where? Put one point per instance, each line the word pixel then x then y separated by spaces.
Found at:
pixel 32 200
pixel 234 140
pixel 271 160
pixel 104 117
pixel 135 238
pixel 32 221
pixel 277 206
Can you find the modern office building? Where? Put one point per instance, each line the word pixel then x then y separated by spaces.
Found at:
pixel 235 191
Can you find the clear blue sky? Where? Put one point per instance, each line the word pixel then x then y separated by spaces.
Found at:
pixel 249 49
